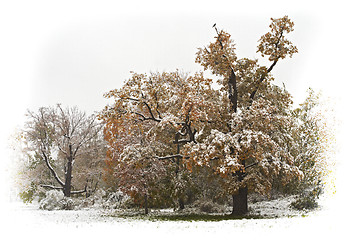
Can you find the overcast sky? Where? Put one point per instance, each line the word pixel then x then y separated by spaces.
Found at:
pixel 72 52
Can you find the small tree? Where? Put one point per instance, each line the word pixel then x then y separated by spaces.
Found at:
pixel 312 139
pixel 58 140
pixel 167 109
pixel 139 173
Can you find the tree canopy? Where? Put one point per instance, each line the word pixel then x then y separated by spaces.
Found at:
pixel 241 129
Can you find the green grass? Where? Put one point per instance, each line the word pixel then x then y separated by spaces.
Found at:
pixel 202 217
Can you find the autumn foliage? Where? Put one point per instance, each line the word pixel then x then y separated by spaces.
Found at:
pixel 171 123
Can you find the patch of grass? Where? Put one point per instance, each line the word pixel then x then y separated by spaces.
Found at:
pixel 203 217
pixel 192 217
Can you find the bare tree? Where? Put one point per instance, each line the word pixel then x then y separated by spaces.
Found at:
pixel 58 137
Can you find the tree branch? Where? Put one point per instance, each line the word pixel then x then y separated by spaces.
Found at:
pixel 170 157
pixel 251 165
pixel 79 191
pixel 261 80
pixel 148 107
pixel 62 150
pixel 156 109
pixel 220 42
pixel 181 141
pixel 145 118
pixel 51 187
pixel 232 77
pixel 268 70
pixel 150 112
pixel 55 175
pixel 91 127
pixel 272 66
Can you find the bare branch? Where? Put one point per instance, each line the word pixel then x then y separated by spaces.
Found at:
pixel 251 165
pixel 181 141
pixel 145 118
pixel 88 134
pixel 79 191
pixel 148 107
pixel 261 80
pixel 51 187
pixel 220 41
pixel 62 150
pixel 170 157
pixel 55 175
pixel 150 112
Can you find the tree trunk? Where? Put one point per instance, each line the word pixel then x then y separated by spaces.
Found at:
pixel 68 179
pixel 181 203
pixel 240 205
pixel 68 174
pixel 146 204
pixel 233 91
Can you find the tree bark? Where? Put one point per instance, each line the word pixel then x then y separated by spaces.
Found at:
pixel 181 203
pixel 68 174
pixel 146 204
pixel 240 201
pixel 233 93
pixel 240 204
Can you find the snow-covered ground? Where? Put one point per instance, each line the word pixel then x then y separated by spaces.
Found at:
pixel 28 222
pixel 275 208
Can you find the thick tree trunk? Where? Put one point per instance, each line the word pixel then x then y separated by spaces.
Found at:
pixel 240 204
pixel 68 179
pixel 68 174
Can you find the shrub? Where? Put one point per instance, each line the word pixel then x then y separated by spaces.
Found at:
pixel 27 196
pixel 52 200
pixel 306 201
pixel 66 204
pixel 209 206
pixel 117 199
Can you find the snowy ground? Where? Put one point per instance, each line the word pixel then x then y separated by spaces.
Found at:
pixel 275 208
pixel 28 222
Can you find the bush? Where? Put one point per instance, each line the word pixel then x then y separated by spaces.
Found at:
pixel 95 200
pixel 27 196
pixel 32 193
pixel 208 206
pixel 117 199
pixel 52 201
pixel 66 204
pixel 306 201
pixel 55 200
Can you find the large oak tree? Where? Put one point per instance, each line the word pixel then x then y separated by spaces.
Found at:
pixel 241 129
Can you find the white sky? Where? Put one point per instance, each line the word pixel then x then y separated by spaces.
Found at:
pixel 71 52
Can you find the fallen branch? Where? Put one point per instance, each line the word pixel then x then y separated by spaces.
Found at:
pixel 51 187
